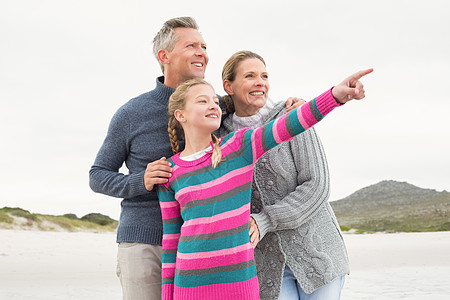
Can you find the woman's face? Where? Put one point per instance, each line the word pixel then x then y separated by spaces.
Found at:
pixel 250 87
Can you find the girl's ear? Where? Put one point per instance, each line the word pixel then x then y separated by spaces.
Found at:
pixel 228 88
pixel 179 115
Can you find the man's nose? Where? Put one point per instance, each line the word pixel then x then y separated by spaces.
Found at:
pixel 201 51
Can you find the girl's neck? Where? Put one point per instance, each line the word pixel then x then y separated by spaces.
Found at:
pixel 195 143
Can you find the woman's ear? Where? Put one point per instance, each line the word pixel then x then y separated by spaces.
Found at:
pixel 228 88
pixel 178 114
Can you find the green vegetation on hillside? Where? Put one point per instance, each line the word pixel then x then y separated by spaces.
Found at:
pixel 391 206
pixel 14 216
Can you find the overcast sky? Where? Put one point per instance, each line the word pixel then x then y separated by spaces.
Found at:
pixel 67 66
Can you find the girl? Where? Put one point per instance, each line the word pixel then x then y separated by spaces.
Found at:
pixel 205 205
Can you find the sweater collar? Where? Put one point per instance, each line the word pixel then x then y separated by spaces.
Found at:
pixel 190 163
pixel 277 111
pixel 256 120
pixel 162 92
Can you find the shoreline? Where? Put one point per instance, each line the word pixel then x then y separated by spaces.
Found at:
pixel 45 265
pixel 398 266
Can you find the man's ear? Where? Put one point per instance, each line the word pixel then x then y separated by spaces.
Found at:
pixel 178 114
pixel 163 56
pixel 228 88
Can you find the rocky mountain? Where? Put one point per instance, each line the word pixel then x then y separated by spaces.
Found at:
pixel 394 206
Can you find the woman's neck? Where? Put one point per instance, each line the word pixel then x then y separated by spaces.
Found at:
pixel 253 121
pixel 247 111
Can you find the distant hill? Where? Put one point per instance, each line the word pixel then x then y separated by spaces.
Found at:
pixel 388 206
pixel 18 218
pixel 394 207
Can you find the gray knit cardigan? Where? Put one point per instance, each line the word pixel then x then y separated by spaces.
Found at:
pixel 290 205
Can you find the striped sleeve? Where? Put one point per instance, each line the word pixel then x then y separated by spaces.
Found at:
pixel 289 125
pixel 170 211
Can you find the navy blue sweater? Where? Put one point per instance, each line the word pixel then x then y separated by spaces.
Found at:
pixel 137 135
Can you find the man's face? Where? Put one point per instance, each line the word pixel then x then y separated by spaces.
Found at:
pixel 188 59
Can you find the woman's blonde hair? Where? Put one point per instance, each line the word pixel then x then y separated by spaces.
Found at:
pixel 229 72
pixel 178 102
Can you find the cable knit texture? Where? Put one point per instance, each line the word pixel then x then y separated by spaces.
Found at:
pixel 207 252
pixel 297 225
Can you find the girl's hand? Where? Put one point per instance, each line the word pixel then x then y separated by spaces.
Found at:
pixel 350 88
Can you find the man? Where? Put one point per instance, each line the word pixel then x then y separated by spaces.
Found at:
pixel 138 135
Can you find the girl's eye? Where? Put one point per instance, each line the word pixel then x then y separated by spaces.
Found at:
pixel 190 45
pixel 248 76
pixel 265 76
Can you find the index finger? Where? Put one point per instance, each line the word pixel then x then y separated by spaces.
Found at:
pixel 164 161
pixel 362 73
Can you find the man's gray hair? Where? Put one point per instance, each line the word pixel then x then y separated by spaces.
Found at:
pixel 165 38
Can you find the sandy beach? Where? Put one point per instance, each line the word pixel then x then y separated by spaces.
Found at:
pixel 398 266
pixel 61 265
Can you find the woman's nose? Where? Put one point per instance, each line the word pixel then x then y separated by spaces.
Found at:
pixel 260 81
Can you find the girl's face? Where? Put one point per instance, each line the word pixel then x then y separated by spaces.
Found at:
pixel 202 111
pixel 250 87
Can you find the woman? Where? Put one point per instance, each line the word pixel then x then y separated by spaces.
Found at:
pixel 205 205
pixel 301 254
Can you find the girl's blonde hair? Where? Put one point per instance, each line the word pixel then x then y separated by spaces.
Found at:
pixel 178 102
pixel 229 72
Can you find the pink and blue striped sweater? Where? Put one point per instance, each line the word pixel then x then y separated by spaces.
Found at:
pixel 207 253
